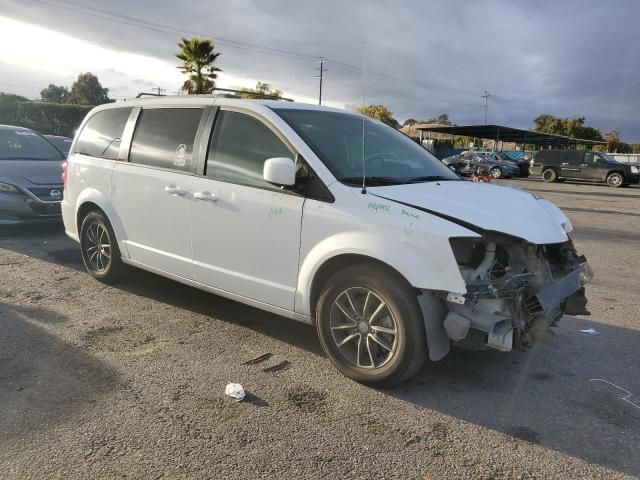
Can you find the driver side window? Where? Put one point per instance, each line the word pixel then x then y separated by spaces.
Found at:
pixel 239 146
pixel 590 157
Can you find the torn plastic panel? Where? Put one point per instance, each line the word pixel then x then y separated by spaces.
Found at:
pixel 516 291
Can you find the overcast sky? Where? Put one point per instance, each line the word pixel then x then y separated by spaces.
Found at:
pixel 564 57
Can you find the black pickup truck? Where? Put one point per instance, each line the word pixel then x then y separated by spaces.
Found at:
pixel 557 165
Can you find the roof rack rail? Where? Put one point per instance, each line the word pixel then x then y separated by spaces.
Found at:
pixel 228 90
pixel 254 94
pixel 147 94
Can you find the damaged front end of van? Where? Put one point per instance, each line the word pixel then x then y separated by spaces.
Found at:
pixel 516 291
pixel 520 269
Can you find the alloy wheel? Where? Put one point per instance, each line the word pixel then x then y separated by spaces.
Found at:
pixel 97 247
pixel 615 180
pixel 363 328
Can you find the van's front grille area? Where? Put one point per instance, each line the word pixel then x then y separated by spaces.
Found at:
pixel 48 194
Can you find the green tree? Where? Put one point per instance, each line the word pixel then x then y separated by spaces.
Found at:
pixel 87 90
pixel 570 127
pixel 379 112
pixel 442 119
pixel 198 61
pixel 55 94
pixel 409 121
pixel 614 144
pixel 546 123
pixel 262 90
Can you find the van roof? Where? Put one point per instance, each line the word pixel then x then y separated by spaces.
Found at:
pixel 177 100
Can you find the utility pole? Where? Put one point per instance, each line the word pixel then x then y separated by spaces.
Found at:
pixel 322 70
pixel 486 104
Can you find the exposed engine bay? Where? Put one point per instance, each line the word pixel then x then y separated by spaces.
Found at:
pixel 516 291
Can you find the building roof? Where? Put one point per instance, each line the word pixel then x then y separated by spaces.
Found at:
pixel 507 134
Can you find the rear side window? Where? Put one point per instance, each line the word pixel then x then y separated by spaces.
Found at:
pixel 102 134
pixel 239 146
pixel 164 137
pixel 550 156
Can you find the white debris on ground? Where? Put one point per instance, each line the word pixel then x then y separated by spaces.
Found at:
pixel 234 390
pixel 590 331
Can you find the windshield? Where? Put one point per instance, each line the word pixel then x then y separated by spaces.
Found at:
pixel 389 156
pixel 25 145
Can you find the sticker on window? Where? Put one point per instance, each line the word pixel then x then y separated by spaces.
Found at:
pixel 181 155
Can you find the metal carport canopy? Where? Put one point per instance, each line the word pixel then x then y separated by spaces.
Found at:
pixel 507 134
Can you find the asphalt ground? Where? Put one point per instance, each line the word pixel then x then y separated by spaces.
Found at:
pixel 128 381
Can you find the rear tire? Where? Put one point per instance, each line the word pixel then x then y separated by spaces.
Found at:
pixel 371 326
pixel 496 172
pixel 615 180
pixel 550 175
pixel 99 247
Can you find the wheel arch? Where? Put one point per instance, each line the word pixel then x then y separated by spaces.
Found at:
pixel 336 263
pixel 92 199
pixel 552 168
pixel 83 211
pixel 621 172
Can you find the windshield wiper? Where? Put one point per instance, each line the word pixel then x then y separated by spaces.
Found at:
pixel 373 181
pixel 430 178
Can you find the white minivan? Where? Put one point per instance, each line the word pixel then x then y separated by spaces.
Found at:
pixel 323 216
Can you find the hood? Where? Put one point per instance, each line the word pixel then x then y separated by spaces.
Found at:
pixel 489 207
pixel 31 172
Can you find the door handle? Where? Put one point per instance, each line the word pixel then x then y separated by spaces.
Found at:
pixel 565 164
pixel 173 190
pixel 207 196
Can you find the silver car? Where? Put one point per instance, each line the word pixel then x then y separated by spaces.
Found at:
pixel 30 177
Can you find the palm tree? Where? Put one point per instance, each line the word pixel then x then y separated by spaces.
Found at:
pixel 198 59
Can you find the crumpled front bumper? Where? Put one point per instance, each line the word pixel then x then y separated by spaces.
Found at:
pixel 551 296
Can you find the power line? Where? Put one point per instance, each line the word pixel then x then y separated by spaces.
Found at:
pixel 165 29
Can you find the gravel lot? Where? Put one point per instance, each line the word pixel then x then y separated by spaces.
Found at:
pixel 128 381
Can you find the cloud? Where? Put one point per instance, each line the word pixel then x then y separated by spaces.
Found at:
pixel 567 57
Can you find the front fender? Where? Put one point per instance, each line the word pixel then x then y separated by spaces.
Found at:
pixel 432 268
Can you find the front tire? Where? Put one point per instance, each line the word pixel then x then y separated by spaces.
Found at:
pixel 370 325
pixel 615 180
pixel 99 247
pixel 496 172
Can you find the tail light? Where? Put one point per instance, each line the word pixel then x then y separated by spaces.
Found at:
pixel 64 175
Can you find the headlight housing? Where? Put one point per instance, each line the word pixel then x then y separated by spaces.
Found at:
pixel 634 169
pixel 7 188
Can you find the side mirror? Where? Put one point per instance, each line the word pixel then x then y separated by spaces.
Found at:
pixel 280 170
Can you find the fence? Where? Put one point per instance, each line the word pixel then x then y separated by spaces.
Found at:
pixel 45 118
pixel 626 157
